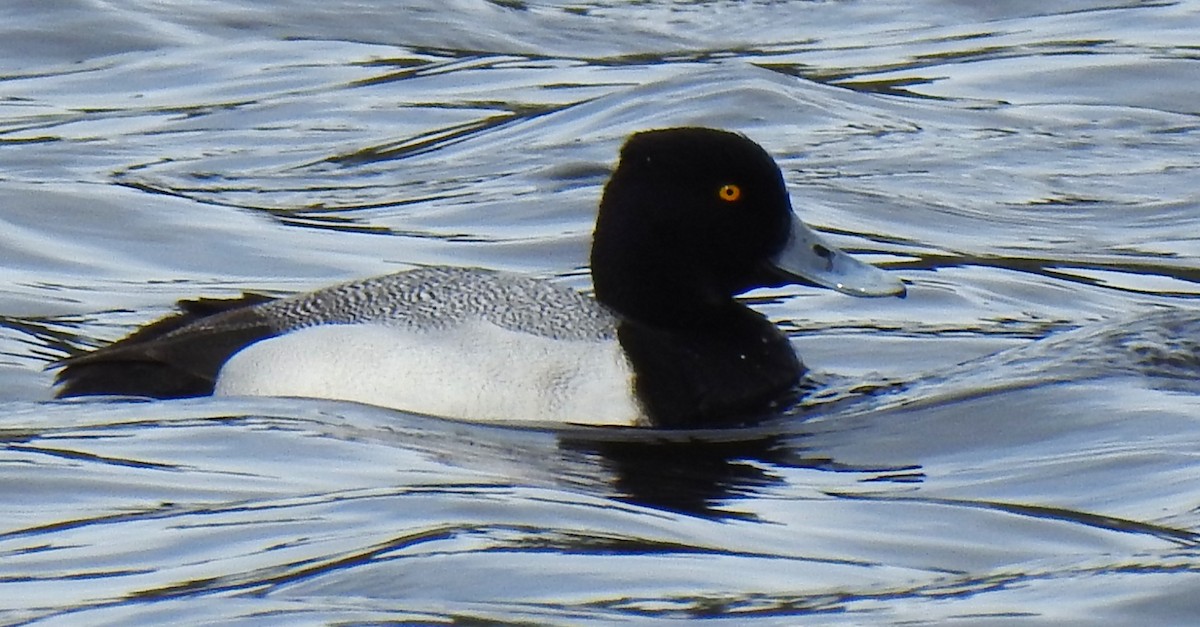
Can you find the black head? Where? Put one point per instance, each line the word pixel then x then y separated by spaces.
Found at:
pixel 690 218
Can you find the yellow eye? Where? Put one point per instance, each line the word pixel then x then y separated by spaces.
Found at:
pixel 729 193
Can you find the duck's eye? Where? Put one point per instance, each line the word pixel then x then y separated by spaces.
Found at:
pixel 730 192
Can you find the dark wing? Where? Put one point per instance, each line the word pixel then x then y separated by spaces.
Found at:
pixel 175 357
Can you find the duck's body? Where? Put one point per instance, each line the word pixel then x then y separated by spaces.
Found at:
pixel 527 348
pixel 690 218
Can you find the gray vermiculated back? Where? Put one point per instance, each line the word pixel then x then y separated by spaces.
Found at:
pixel 441 297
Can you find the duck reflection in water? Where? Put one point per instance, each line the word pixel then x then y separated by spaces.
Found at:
pixel 704 473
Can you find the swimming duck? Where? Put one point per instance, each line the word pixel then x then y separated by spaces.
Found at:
pixel 690 218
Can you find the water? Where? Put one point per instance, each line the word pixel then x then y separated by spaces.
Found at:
pixel 1014 443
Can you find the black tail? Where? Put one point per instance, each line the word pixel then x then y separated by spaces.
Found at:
pixel 175 357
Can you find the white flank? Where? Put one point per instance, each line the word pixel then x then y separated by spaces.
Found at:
pixel 474 371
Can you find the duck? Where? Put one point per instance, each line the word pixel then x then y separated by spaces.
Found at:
pixel 689 219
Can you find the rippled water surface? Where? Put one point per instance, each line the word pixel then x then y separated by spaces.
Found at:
pixel 1014 443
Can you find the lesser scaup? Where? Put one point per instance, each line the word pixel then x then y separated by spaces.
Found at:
pixel 690 218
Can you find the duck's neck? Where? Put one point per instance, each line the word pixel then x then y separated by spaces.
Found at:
pixel 642 279
pixel 665 304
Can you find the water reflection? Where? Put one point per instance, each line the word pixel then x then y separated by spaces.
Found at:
pixel 703 473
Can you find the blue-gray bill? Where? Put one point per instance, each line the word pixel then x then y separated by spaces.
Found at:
pixel 809 257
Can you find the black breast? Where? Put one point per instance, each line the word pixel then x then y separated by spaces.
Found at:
pixel 722 372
